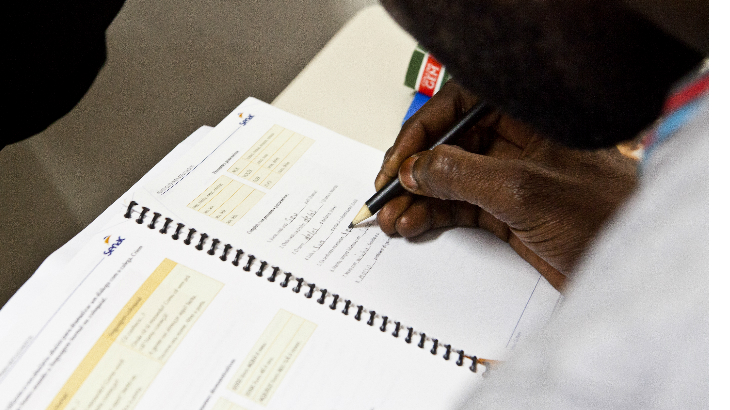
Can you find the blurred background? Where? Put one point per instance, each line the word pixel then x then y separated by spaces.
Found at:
pixel 172 66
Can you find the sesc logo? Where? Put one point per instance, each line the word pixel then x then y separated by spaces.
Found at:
pixel 114 246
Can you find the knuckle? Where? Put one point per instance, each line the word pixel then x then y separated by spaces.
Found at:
pixel 387 159
pixel 386 222
pixel 520 178
pixel 413 126
pixel 442 162
pixel 440 168
pixel 409 122
pixel 387 155
pixel 390 163
pixel 516 184
pixel 527 188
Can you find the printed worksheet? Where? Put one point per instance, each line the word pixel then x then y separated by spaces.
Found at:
pixel 230 280
pixel 152 323
pixel 280 182
pixel 284 190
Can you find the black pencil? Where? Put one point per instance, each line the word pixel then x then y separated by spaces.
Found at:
pixel 394 188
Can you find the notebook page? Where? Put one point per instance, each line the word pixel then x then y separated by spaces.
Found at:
pixel 286 189
pixel 159 324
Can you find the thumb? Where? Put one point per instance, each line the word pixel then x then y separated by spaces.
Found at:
pixel 450 173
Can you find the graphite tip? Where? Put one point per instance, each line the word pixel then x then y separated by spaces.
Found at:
pixel 361 216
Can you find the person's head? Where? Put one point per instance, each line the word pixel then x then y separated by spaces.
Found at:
pixel 587 73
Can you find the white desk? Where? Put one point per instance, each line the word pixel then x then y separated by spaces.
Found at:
pixel 354 85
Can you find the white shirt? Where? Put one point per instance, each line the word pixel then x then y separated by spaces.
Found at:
pixel 633 329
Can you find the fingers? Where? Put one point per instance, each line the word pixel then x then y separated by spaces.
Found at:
pixel 450 173
pixel 424 127
pixel 390 213
pixel 411 216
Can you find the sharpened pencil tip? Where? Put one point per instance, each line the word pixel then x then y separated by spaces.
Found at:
pixel 361 216
pixel 350 226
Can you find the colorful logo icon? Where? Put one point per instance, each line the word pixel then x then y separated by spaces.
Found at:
pixel 114 245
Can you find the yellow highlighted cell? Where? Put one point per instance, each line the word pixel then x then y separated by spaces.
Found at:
pixel 259 146
pixel 271 156
pixel 209 193
pixel 243 192
pixel 249 171
pixel 223 195
pixel 275 159
pixel 226 200
pixel 110 334
pixel 128 356
pixel 271 357
pixel 287 162
pixel 245 206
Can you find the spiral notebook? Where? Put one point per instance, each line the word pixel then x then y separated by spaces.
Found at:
pixel 231 281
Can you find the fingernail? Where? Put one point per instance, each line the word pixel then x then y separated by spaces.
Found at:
pixel 405 174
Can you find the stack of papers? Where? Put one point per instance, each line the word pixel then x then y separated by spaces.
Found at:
pixel 227 278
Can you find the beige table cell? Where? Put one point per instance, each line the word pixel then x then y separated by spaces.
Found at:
pixel 275 159
pixel 227 207
pixel 238 212
pixel 259 146
pixel 219 199
pixel 209 193
pixel 287 163
pixel 265 154
pixel 272 355
pixel 127 357
pixel 283 359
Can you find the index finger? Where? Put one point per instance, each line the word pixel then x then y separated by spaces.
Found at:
pixel 423 128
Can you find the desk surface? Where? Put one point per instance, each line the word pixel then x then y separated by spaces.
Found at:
pixel 354 86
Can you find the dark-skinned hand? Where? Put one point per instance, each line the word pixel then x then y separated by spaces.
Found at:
pixel 547 201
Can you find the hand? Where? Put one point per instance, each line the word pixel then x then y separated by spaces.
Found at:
pixel 547 201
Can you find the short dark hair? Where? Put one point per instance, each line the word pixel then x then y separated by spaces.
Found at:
pixel 587 73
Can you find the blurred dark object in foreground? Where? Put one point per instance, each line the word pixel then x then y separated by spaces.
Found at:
pixel 54 52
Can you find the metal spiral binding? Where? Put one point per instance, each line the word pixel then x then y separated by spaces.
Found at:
pixel 300 282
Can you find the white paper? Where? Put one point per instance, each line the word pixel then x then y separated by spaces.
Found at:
pixel 281 191
pixel 188 358
pixel 462 286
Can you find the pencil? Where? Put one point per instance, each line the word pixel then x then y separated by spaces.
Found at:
pixel 394 188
